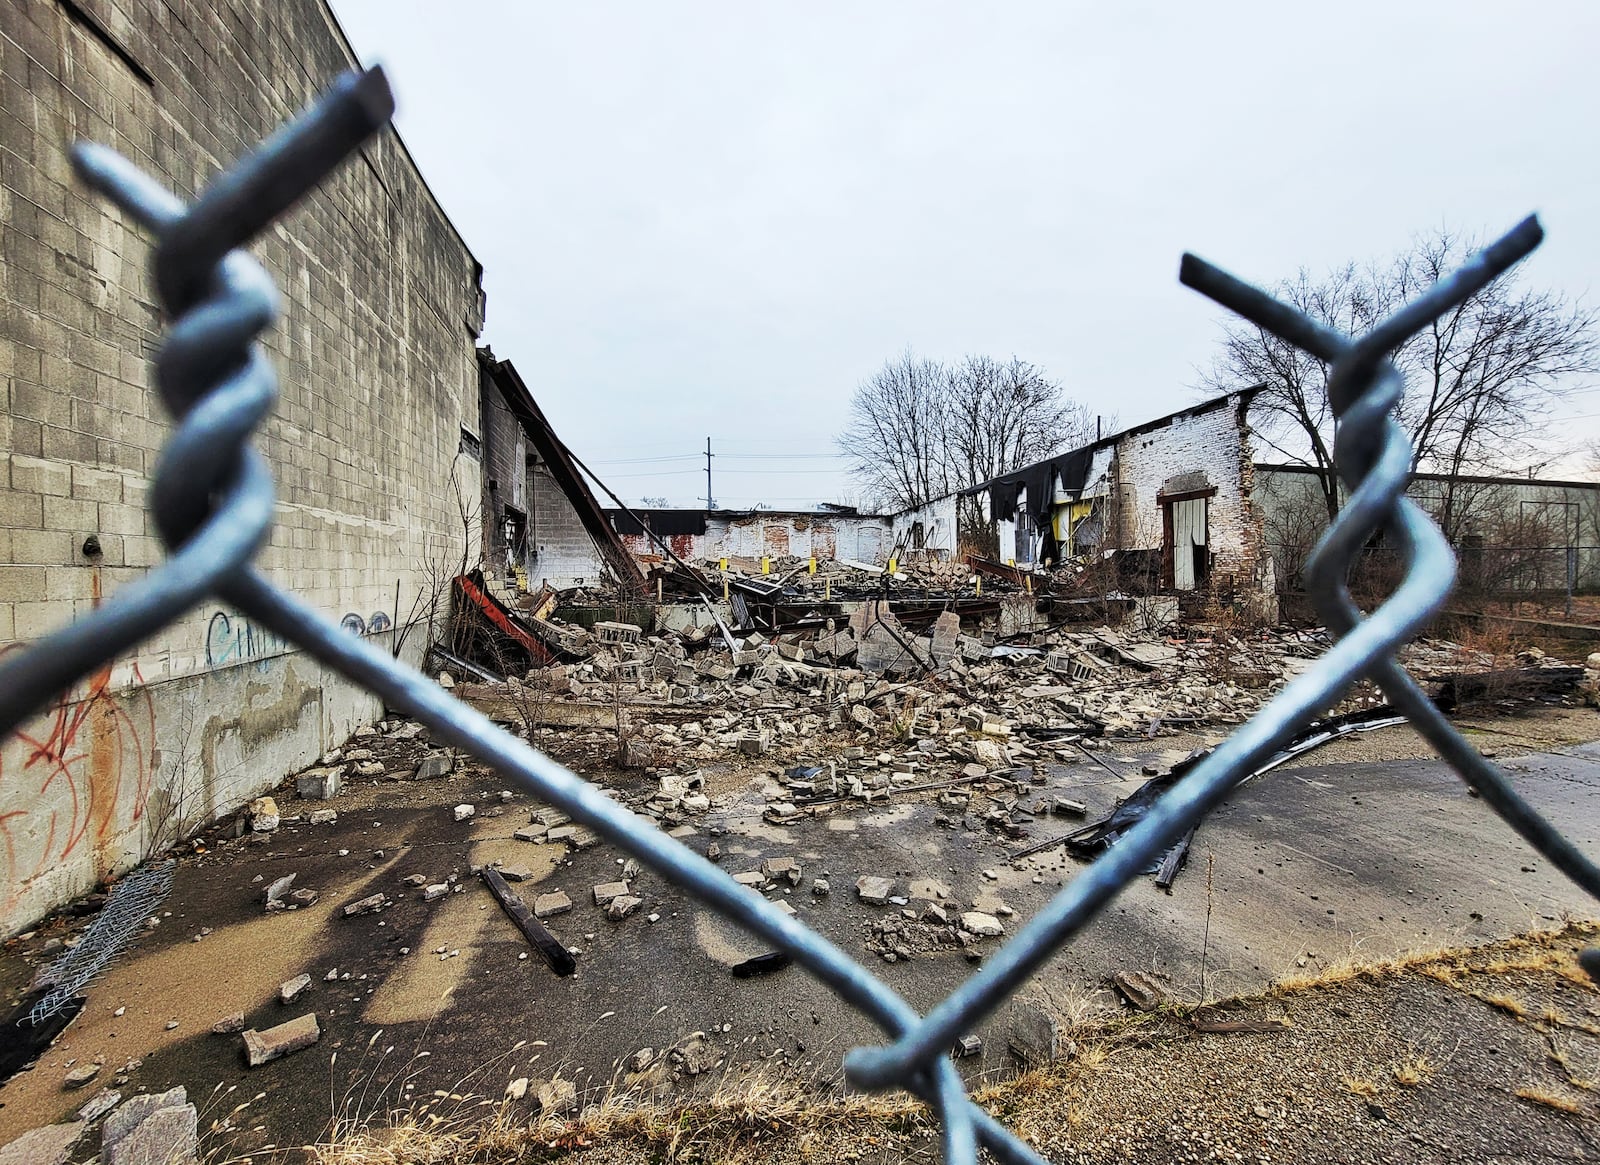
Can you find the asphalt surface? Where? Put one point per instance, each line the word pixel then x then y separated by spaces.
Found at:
pixel 1302 869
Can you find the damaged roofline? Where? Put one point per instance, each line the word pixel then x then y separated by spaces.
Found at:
pixel 563 469
pixel 1242 396
pixel 731 515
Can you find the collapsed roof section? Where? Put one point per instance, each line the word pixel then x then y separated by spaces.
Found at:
pixel 1070 470
pixel 563 469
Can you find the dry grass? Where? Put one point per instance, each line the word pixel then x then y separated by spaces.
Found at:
pixel 745 1118
pixel 1535 952
pixel 1547 1099
pixel 735 1124
pixel 1414 1072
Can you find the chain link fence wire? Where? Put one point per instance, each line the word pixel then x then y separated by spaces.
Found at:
pixel 127 908
pixel 212 499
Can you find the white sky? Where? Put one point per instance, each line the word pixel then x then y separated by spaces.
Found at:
pixel 704 219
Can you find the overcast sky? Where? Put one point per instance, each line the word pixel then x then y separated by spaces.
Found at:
pixel 704 219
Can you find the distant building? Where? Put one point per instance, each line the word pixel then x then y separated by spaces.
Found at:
pixel 1514 535
pixel 1172 498
pixel 837 532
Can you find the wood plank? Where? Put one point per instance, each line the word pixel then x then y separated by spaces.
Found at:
pixel 557 956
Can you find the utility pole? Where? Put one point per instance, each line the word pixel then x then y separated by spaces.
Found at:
pixel 710 502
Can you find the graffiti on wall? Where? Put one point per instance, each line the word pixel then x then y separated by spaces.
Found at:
pixel 69 779
pixel 230 638
pixel 371 625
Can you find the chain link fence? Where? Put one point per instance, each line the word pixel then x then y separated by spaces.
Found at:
pixel 212 501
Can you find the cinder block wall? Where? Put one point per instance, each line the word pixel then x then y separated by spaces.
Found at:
pixel 1215 441
pixel 375 356
pixel 505 452
pixel 560 550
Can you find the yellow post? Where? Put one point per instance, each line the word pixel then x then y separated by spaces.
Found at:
pixel 1027 583
pixel 766 565
pixel 724 588
pixel 894 565
pixel 722 564
pixel 1011 562
pixel 811 566
pixel 827 588
pixel 980 584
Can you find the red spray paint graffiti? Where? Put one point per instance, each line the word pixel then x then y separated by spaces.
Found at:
pixel 66 780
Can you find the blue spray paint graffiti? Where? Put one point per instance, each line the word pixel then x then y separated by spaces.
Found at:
pixel 353 622
pixel 230 638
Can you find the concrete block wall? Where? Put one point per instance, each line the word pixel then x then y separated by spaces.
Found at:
pixel 775 534
pixel 1212 441
pixel 560 550
pixel 375 355
pixel 505 453
pixel 938 520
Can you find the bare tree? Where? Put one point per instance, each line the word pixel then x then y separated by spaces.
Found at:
pixel 920 429
pixel 1479 381
pixel 897 436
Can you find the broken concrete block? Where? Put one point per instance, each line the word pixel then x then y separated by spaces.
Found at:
pixel 166 1136
pixel 264 816
pixel 606 891
pixel 465 812
pixel 80 1075
pixel 320 784
pixel 782 867
pixel 553 903
pixel 559 1096
pixel 50 1145
pixel 516 873
pixel 291 1036
pixel 364 906
pixel 436 891
pixel 323 817
pixel 434 766
pixel 1035 1037
pixel 617 633
pixel 874 890
pixel 531 833
pixel 277 889
pixel 288 990
pixel 968 1046
pixel 752 878
pixel 135 1109
pixel 229 1024
pixel 622 905
pixel 103 1102
pixel 369 768
pixel 574 835
pixel 981 924
pixel 988 754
